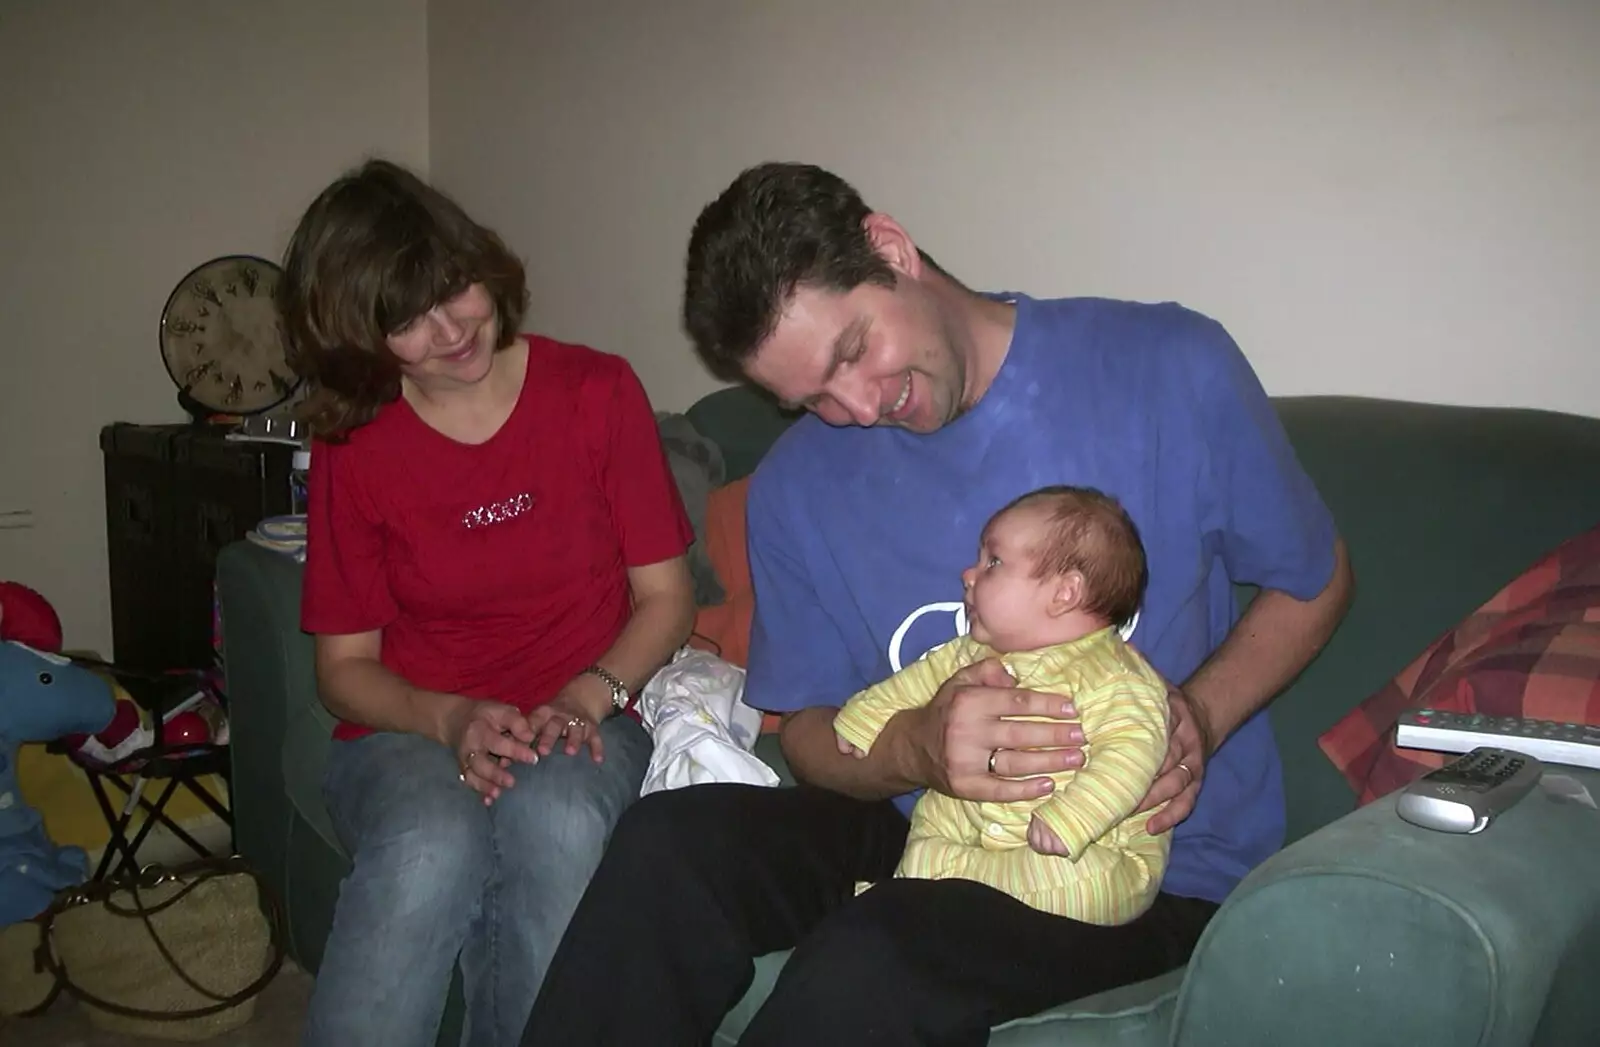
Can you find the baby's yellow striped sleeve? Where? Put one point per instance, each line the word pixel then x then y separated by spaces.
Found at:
pixel 1125 723
pixel 864 715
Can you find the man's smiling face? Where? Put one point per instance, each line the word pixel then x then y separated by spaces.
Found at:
pixel 872 356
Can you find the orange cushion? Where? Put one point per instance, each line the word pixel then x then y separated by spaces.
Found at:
pixel 724 629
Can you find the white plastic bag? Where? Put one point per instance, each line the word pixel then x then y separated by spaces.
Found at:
pixel 703 731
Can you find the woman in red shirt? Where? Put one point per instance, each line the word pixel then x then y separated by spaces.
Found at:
pixel 495 562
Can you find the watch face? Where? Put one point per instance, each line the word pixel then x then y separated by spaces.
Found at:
pixel 220 337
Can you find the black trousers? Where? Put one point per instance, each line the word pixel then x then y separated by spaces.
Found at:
pixel 698 882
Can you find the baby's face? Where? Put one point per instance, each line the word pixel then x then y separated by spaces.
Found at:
pixel 1007 607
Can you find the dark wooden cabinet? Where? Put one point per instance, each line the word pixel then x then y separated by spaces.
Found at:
pixel 175 495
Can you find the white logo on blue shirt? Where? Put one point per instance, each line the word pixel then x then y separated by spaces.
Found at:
pixel 959 610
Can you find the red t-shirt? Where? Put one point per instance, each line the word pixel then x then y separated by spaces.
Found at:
pixel 497 570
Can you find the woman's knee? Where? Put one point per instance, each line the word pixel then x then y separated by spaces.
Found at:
pixel 652 834
pixel 433 862
pixel 562 835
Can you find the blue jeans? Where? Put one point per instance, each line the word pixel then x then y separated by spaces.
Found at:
pixel 438 875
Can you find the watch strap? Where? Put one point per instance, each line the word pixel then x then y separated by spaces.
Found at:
pixel 619 690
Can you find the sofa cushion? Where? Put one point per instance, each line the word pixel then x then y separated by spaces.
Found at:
pixel 1532 650
pixel 1129 1016
pixel 697 469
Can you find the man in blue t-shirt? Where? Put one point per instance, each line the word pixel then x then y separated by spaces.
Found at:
pixel 932 407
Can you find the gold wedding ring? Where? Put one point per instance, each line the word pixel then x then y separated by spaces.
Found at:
pixel 1187 774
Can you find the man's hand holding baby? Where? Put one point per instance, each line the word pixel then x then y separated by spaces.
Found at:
pixel 972 751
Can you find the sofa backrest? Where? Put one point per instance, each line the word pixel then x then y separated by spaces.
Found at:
pixel 1440 507
pixel 743 422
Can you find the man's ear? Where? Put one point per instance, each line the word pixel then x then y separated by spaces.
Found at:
pixel 890 239
pixel 1071 591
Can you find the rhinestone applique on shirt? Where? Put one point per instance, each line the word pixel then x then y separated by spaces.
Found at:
pixel 498 512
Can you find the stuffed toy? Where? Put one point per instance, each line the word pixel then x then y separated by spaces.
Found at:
pixel 28 618
pixel 42 697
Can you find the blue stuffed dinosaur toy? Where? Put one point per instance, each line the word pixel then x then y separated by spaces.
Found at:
pixel 42 697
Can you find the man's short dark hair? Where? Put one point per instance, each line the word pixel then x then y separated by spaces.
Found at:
pixel 778 227
pixel 1091 533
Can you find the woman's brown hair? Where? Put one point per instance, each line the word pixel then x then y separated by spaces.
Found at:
pixel 377 249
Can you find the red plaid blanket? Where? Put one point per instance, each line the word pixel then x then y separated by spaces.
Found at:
pixel 1533 650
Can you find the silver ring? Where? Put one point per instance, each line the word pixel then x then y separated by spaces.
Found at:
pixel 576 721
pixel 992 754
pixel 1188 774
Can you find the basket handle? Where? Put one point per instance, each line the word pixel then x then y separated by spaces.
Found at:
pixel 191 875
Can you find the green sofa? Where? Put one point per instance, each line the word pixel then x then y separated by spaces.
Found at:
pixel 1364 930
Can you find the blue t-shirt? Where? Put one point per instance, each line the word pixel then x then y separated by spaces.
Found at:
pixel 857 536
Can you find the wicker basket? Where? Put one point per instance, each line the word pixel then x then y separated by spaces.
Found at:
pixel 175 955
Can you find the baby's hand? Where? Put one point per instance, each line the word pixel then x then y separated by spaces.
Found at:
pixel 847 749
pixel 1043 840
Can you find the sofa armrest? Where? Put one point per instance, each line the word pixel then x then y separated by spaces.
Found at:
pixel 278 728
pixel 1374 931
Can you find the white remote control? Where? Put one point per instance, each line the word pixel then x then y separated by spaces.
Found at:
pixel 1465 795
pixel 1574 744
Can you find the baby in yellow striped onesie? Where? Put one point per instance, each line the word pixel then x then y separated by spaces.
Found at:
pixel 1057 570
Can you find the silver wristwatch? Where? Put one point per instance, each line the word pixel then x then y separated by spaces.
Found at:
pixel 619 692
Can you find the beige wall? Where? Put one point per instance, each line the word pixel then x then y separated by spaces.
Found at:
pixel 138 140
pixel 1394 199
pixel 1377 198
